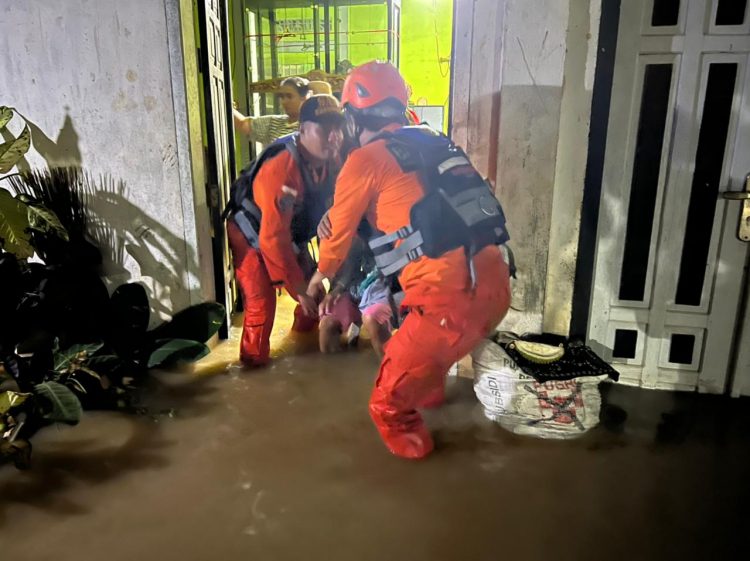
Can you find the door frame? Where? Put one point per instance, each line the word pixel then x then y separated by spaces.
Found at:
pixel 213 194
pixel 609 27
pixel 394 32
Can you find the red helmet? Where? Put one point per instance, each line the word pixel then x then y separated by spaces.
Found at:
pixel 376 88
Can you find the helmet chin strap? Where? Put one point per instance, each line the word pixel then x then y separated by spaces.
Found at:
pixel 353 129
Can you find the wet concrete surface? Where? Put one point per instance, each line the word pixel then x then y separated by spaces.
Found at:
pixel 284 464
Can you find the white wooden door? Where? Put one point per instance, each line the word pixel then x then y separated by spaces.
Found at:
pixel 669 270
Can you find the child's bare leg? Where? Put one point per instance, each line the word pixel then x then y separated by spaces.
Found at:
pixel 329 330
pixel 379 332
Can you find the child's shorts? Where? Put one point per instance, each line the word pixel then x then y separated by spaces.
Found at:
pixel 345 312
pixel 375 304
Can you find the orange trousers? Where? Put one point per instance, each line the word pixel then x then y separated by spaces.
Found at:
pixel 259 300
pixel 433 336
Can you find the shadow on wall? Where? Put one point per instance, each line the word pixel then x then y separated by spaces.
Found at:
pixel 124 232
pixel 134 245
pixel 62 152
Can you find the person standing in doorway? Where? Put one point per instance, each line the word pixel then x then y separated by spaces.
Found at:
pixel 267 128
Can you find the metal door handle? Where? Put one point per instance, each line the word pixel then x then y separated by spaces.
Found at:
pixel 743 228
pixel 735 195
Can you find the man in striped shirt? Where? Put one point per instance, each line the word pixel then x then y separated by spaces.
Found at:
pixel 267 128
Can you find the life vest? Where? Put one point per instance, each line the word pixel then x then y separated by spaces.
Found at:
pixel 458 210
pixel 318 196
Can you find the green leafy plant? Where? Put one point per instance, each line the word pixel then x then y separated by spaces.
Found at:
pixel 14 226
pixel 65 344
pixel 64 406
pixel 14 214
pixel 12 150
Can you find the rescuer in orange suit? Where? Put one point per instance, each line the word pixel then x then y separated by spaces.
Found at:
pixel 287 190
pixel 452 304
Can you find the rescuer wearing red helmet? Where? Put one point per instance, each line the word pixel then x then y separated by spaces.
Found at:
pixel 456 288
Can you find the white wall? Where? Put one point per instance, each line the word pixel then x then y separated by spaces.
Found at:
pixel 531 93
pixel 582 37
pixel 95 79
pixel 539 56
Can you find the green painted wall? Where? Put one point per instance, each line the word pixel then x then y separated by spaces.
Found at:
pixel 298 58
pixel 363 42
pixel 426 42
pixel 368 36
pixel 426 39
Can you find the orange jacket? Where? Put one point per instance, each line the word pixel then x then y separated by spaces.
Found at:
pixel 371 184
pixel 277 210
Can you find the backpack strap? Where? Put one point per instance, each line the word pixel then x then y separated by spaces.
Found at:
pixel 242 189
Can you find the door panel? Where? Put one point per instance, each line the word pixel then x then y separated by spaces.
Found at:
pixel 669 267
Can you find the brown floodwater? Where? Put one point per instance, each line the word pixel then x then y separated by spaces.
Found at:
pixel 284 464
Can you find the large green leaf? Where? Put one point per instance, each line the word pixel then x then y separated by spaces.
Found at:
pixel 197 323
pixel 13 150
pixel 129 310
pixel 44 220
pixel 104 362
pixel 63 359
pixel 9 400
pixel 171 351
pixel 6 114
pixel 65 405
pixel 14 224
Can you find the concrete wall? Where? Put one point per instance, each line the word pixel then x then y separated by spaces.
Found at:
pixel 100 82
pixel 531 96
pixel 539 55
pixel 582 39
pixel 476 77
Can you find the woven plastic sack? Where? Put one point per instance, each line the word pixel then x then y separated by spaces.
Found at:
pixel 556 409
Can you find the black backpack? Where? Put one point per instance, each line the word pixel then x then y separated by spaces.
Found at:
pixel 241 207
pixel 242 188
pixel 458 210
